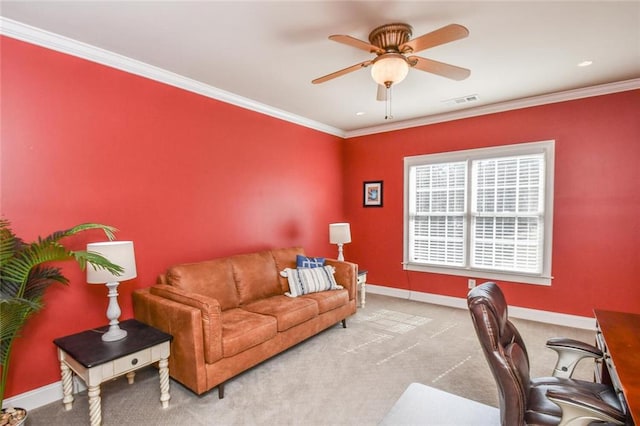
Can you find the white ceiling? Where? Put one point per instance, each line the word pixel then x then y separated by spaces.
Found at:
pixel 269 51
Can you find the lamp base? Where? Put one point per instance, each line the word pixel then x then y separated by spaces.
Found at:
pixel 115 333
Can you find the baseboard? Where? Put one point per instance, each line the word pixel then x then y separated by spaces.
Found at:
pixel 53 392
pixel 36 398
pixel 42 396
pixel 547 317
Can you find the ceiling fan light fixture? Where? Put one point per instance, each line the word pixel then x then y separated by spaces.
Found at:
pixel 389 68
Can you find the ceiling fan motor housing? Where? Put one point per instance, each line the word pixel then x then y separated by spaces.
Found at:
pixel 389 37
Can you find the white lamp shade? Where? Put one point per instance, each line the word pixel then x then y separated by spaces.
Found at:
pixel 339 233
pixel 117 252
pixel 389 68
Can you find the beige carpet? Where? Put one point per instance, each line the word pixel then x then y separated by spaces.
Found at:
pixel 342 376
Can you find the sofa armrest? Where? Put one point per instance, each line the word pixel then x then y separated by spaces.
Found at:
pixel 184 323
pixel 346 275
pixel 210 311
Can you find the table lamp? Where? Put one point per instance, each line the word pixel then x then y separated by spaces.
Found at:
pixel 119 253
pixel 339 233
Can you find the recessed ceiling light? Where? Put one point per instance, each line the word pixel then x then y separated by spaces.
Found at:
pixel 359 113
pixel 585 63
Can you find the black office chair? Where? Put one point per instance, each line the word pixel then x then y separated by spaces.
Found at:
pixel 541 401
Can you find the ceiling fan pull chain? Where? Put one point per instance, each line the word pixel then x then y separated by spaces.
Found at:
pixel 387 104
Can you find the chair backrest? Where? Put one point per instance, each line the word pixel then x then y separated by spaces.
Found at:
pixel 504 349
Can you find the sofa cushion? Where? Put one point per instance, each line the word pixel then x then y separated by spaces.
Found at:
pixel 310 280
pixel 329 300
pixel 212 278
pixel 285 258
pixel 287 311
pixel 256 276
pixel 242 330
pixel 309 262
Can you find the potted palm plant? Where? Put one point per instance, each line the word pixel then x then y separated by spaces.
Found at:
pixel 25 274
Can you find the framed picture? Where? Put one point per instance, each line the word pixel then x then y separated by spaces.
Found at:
pixel 372 196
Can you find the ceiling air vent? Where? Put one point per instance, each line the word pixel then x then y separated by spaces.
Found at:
pixel 462 100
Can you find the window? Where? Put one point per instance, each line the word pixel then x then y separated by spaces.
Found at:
pixel 485 213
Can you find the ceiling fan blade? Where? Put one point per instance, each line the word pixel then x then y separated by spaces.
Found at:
pixel 381 95
pixel 354 42
pixel 443 35
pixel 439 68
pixel 344 71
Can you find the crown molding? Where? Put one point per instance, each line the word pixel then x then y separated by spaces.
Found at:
pixel 39 37
pixel 568 95
pixel 33 35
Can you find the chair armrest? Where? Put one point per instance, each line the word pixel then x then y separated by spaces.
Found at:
pixel 582 409
pixel 570 352
pixel 564 342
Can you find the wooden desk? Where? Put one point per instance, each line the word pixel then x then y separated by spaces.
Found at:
pixel 618 335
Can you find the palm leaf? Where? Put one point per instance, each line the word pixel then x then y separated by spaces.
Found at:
pixel 14 315
pixel 41 278
pixel 25 275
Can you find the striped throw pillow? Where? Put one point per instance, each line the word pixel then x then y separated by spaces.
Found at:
pixel 310 280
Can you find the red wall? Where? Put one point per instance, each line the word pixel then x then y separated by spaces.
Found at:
pixel 185 177
pixel 189 178
pixel 596 242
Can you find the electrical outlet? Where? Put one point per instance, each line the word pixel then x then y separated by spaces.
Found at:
pixel 471 283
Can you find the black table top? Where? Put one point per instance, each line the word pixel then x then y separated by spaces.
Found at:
pixel 88 348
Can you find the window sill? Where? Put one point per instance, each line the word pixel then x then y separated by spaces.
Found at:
pixel 478 273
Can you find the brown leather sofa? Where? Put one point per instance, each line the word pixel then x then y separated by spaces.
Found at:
pixel 226 315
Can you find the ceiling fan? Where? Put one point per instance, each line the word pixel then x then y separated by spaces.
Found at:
pixel 391 43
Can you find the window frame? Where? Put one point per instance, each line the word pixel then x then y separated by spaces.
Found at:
pixel 547 148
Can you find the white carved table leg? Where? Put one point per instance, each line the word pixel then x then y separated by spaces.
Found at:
pixel 95 409
pixel 163 365
pixel 84 363
pixel 131 377
pixel 363 294
pixel 67 386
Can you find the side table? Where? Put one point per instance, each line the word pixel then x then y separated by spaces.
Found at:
pixel 96 362
pixel 362 284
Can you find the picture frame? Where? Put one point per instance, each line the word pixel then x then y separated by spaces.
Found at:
pixel 372 194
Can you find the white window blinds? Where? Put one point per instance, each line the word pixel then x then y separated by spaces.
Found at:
pixel 485 213
pixel 507 213
pixel 438 210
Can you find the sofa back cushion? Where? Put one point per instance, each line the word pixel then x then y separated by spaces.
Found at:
pixel 211 278
pixel 256 276
pixel 285 258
